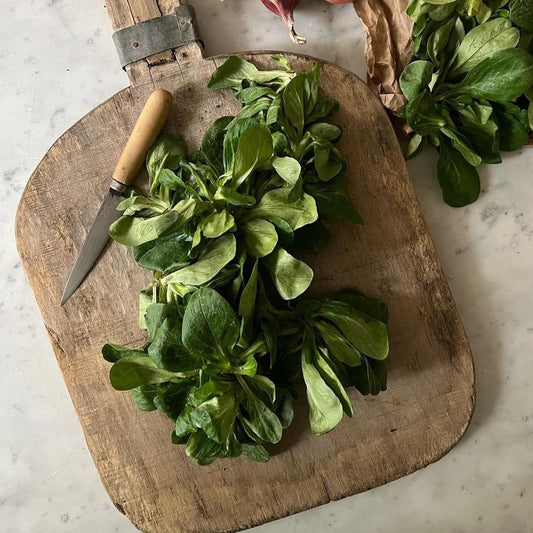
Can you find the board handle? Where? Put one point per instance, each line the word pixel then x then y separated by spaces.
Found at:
pixel 125 13
pixel 148 126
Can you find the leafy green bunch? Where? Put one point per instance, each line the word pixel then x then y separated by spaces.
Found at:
pixel 469 90
pixel 194 370
pixel 230 334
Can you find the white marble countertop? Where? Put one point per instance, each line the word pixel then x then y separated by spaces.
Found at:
pixel 57 62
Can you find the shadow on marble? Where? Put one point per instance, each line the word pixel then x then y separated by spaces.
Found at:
pixel 481 318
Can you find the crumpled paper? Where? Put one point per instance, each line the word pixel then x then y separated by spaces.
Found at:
pixel 389 47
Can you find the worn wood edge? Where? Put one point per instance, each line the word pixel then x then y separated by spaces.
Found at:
pixel 466 352
pixel 411 470
pixel 18 214
pixel 19 242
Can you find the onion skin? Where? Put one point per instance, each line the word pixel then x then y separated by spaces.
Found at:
pixel 284 9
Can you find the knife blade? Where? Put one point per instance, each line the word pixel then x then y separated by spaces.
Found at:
pixel 148 126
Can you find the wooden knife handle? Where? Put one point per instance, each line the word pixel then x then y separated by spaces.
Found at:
pixel 150 122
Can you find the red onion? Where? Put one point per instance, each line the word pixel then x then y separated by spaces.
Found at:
pixel 284 9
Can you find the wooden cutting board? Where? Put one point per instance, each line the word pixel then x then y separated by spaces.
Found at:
pixel 430 397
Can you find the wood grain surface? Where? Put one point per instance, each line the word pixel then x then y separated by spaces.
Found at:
pixel 421 416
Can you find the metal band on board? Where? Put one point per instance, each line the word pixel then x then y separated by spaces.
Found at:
pixel 156 35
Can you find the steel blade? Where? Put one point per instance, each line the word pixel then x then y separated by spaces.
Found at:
pixel 94 243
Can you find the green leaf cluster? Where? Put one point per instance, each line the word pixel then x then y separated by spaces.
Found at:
pixel 229 331
pixel 194 370
pixel 468 90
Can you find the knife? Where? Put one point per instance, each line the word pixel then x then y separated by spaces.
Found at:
pixel 153 115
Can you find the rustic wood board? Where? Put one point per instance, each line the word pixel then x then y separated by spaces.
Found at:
pixel 426 408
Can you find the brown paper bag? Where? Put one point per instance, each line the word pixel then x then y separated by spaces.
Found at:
pixel 388 47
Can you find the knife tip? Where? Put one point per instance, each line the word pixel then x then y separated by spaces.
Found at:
pixel 64 299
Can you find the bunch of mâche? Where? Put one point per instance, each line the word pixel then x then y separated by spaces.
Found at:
pixel 230 333
pixel 469 91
